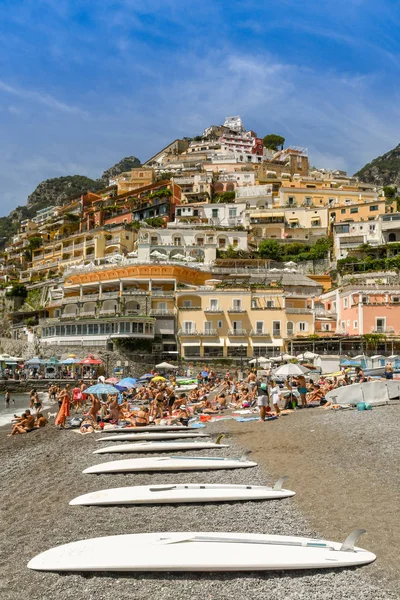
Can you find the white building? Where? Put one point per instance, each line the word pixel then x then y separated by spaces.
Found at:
pixel 221 215
pixel 348 236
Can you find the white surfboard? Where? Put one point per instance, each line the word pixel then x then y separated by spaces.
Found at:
pixel 159 447
pixel 182 493
pixel 131 437
pixel 200 551
pixel 154 428
pixel 170 463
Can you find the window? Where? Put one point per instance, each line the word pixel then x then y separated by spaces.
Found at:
pixel 353 210
pixel 325 327
pixel 345 303
pixel 177 241
pixel 307 201
pixel 373 208
pixel 186 304
pixel 270 303
pixel 210 239
pixel 235 242
pixel 208 326
pixel 355 324
pixel 343 211
pixel 200 241
pixel 348 323
pixel 259 326
pixel 303 326
pixel 290 328
pixel 291 200
pixel 372 227
pixel 214 213
pixel 232 213
pixel 219 324
pixel 343 325
pixel 380 324
pixel 188 327
pixel 214 304
pixel 365 299
pixel 236 304
pixel 276 328
pixel 154 240
pixel 237 325
pixel 222 242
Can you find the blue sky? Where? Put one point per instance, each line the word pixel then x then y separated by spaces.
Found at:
pixel 85 82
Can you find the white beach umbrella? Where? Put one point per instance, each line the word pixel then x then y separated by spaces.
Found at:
pixel 156 253
pixel 290 263
pixel 178 256
pixel 288 370
pixel 288 357
pixel 165 365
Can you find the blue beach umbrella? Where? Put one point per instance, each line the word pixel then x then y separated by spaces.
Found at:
pixel 127 382
pixel 35 361
pixel 101 388
pixel 70 361
pixel 146 376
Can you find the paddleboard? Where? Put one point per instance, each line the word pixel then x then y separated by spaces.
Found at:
pixel 154 428
pixel 130 437
pixel 170 463
pixel 159 447
pixel 200 551
pixel 182 493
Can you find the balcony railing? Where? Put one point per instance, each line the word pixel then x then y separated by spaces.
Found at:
pixel 162 294
pixel 236 309
pixel 386 330
pixel 276 333
pixel 238 332
pixel 162 311
pixel 299 311
pixel 213 309
pixel 210 332
pixel 189 307
pixel 191 332
pixel 256 333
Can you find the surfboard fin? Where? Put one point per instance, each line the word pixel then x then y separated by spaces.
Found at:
pixel 219 438
pixel 244 456
pixel 348 544
pixel 280 482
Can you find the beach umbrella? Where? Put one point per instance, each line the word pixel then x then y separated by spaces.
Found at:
pixel 159 378
pixel 101 388
pixel 156 253
pixel 90 361
pixel 34 361
pixel 190 259
pixel 127 382
pixel 290 263
pixel 165 365
pixel 112 380
pixel 147 376
pixel 261 360
pixel 287 370
pixel 288 357
pixel 178 256
pixel 70 361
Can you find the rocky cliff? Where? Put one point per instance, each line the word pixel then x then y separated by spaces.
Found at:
pixel 383 170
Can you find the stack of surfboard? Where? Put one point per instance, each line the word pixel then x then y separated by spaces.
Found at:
pixel 193 551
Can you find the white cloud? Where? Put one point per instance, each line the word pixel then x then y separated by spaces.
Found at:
pixel 41 98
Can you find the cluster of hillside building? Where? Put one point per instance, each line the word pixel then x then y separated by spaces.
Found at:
pixel 144 258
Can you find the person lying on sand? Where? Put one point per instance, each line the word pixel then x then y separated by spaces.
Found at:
pixel 25 424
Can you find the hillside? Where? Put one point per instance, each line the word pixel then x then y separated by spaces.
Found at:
pixel 59 191
pixel 383 170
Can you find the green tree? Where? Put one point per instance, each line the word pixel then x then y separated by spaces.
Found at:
pixel 273 141
pixel 390 192
pixel 18 289
pixel 155 221
pixel 270 249
pixel 34 243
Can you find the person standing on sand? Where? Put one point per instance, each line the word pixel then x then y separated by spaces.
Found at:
pixel 94 409
pixel 275 394
pixel 7 398
pixel 64 412
pixel 302 389
pixel 261 390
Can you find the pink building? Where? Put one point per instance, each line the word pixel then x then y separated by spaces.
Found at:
pixel 364 308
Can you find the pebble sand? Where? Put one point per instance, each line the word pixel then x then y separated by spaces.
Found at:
pixel 41 472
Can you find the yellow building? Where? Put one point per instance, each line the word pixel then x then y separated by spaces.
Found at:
pixel 239 322
pixel 134 179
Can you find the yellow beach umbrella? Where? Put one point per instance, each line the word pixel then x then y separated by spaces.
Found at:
pixel 159 378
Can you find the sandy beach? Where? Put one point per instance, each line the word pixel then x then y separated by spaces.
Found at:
pixel 344 467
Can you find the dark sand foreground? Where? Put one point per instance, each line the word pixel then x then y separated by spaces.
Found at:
pixel 343 466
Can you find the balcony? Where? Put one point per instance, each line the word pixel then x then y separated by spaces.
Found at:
pixel 209 332
pixel 299 311
pixel 237 332
pixel 162 294
pixel 189 307
pixel 384 330
pixel 106 312
pixel 213 309
pixel 113 242
pixel 236 309
pixel 255 333
pixel 162 312
pixel 276 333
pixel 188 333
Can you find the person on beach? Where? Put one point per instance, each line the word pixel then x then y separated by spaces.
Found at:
pixel 142 417
pixel 302 389
pixel 94 409
pixel 32 398
pixel 7 399
pixel 275 393
pixel 64 412
pixel 25 424
pixel 261 390
pixel 41 421
pixel 76 397
pixel 388 371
